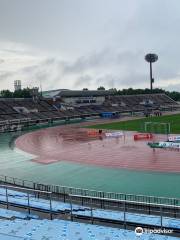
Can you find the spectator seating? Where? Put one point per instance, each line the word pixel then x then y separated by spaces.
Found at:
pixel 14 109
pixel 66 230
pixel 10 214
pixel 20 199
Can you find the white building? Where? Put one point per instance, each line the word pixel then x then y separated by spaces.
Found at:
pixel 78 97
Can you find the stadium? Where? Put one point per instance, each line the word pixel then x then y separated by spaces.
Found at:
pixel 89 120
pixel 76 164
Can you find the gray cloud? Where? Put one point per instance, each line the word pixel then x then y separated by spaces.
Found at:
pixel 109 68
pixel 4 75
pixel 173 87
pixel 83 80
pixel 64 46
pixel 94 60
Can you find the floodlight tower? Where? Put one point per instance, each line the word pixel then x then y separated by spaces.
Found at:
pixel 151 58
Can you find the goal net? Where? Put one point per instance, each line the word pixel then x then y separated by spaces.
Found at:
pixel 157 127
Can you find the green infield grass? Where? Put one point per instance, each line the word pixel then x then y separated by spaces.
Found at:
pixel 138 124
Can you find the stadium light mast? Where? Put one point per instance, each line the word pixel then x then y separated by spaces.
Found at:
pixel 151 58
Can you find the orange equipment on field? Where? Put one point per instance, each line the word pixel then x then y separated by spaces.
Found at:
pixel 141 136
pixel 94 133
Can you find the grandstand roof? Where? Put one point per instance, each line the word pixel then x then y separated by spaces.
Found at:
pixel 76 93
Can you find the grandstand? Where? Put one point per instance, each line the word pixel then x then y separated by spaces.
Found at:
pixel 67 104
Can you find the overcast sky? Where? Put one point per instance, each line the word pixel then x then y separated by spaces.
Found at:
pixel 89 43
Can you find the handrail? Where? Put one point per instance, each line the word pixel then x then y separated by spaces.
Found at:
pixel 26 189
pixel 124 201
pixel 65 190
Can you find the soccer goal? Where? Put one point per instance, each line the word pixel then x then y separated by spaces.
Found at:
pixel 157 127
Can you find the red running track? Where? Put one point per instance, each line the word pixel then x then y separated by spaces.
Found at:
pixel 72 144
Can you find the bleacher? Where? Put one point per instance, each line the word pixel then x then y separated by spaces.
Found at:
pixel 27 109
pixel 42 110
pixel 132 103
pixel 66 230
pixel 11 214
pixel 18 224
pixel 135 102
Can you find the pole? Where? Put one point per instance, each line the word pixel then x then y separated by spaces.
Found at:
pixel 71 207
pixel 50 204
pixel 91 212
pixel 125 212
pixel 151 79
pixel 28 203
pixel 7 198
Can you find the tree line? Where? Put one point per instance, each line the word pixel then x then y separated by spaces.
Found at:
pixel 22 93
pixel 27 92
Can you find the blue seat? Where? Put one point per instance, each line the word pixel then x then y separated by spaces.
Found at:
pixel 59 229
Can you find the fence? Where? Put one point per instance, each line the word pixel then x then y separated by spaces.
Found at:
pixel 64 191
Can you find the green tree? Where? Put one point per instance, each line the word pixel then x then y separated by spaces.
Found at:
pixel 6 94
pixel 113 89
pixel 24 93
pixel 101 88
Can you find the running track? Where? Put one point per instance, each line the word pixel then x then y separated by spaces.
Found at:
pixel 72 144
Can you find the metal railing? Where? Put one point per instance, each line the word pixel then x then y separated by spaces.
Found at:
pixel 65 191
pixel 28 194
pixel 90 204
